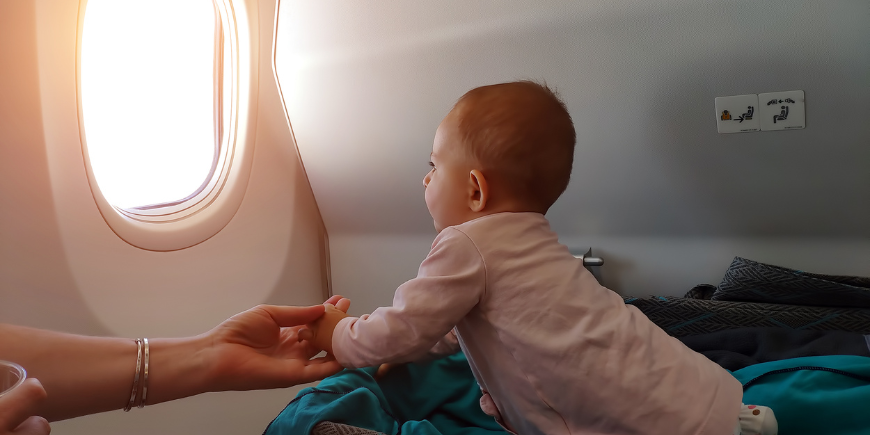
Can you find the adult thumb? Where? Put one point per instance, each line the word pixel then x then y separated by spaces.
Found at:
pixel 17 409
pixel 34 425
pixel 306 334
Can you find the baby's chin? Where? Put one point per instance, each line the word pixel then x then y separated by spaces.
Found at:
pixel 440 227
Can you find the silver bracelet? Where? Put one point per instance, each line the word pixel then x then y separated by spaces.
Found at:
pixel 145 378
pixel 135 391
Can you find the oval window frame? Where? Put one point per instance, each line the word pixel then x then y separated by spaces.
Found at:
pixel 192 220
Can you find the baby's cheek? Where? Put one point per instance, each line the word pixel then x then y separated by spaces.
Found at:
pixel 428 196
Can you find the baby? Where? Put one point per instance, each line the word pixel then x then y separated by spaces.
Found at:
pixel 553 351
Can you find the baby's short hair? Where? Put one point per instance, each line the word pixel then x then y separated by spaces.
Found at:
pixel 521 134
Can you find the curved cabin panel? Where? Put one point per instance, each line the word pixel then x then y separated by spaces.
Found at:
pixel 62 267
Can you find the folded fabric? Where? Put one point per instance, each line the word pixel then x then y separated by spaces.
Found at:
pixel 330 428
pixel 701 291
pixel 681 316
pixel 735 349
pixel 751 281
pixel 813 395
pixel 436 398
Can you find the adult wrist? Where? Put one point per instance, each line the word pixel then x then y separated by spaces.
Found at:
pixel 179 367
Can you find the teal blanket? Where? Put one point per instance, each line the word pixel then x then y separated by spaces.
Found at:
pixel 813 402
pixel 442 397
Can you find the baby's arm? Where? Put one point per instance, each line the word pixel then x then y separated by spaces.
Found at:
pixel 446 346
pixel 450 283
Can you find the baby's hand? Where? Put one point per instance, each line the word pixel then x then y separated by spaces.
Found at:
pixel 383 369
pixel 320 332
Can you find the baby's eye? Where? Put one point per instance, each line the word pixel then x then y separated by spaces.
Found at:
pixel 432 165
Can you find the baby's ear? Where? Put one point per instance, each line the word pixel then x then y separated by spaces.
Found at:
pixel 478 191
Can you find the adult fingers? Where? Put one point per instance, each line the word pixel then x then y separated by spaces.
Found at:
pixel 293 316
pixel 33 426
pixel 20 404
pixel 291 371
pixel 318 369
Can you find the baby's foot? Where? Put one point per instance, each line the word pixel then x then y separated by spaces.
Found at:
pixel 757 420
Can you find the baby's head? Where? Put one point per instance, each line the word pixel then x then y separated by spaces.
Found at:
pixel 503 148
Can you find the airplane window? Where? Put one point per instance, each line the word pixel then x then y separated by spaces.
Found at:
pixel 152 89
pixel 166 100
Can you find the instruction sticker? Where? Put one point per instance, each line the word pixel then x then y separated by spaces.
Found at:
pixel 782 110
pixel 737 114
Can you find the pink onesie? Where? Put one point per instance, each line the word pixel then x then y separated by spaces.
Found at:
pixel 553 350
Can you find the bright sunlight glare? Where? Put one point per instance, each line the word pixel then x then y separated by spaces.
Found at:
pixel 147 78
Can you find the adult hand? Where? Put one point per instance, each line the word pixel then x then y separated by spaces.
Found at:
pixel 17 408
pixel 259 348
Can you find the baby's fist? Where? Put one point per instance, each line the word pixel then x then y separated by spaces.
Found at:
pixel 319 333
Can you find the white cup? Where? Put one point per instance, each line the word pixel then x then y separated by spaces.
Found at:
pixel 11 376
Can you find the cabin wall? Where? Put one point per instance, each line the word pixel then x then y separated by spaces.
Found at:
pixel 656 191
pixel 62 267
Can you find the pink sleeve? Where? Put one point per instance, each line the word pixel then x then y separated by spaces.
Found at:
pixel 450 282
pixel 446 346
